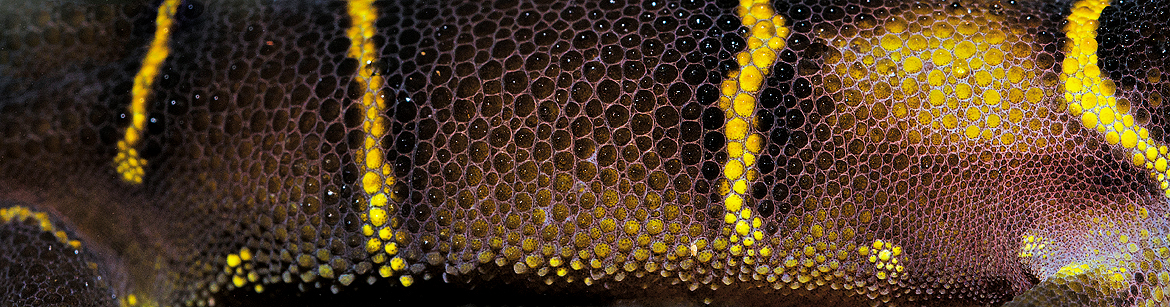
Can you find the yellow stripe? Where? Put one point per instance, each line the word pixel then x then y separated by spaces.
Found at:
pixel 128 163
pixel 1091 97
pixel 18 214
pixel 738 101
pixel 376 173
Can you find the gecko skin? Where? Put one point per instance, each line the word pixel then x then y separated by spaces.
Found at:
pixel 731 153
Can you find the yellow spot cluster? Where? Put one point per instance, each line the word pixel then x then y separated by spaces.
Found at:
pixel 19 214
pixel 242 271
pixel 376 180
pixel 884 256
pixel 738 101
pixel 1091 97
pixel 1035 246
pixel 127 162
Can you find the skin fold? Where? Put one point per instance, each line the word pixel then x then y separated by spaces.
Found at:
pixel 750 153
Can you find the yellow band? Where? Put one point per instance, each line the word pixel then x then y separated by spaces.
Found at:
pixel 1091 98
pixel 128 162
pixel 739 91
pixel 17 214
pixel 376 179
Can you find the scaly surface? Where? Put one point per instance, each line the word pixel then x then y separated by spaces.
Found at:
pixel 732 152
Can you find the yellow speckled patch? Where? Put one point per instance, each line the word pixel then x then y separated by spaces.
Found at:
pixel 960 83
pixel 1035 246
pixel 884 255
pixel 376 180
pixel 738 101
pixel 128 163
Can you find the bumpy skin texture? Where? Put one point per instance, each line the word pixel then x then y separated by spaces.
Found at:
pixel 38 270
pixel 907 154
